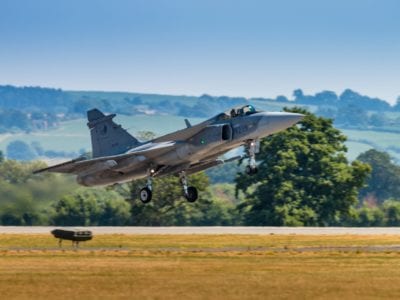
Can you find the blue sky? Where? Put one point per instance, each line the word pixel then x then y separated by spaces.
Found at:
pixel 238 48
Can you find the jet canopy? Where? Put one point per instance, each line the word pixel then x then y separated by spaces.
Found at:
pixel 237 112
pixel 243 111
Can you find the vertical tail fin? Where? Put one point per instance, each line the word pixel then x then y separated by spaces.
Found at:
pixel 108 138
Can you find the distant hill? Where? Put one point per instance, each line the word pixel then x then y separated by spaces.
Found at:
pixel 30 99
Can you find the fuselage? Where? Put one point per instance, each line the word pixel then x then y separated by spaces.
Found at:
pixel 219 135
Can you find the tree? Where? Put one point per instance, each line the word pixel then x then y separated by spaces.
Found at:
pixel 91 207
pixel 377 120
pixel 352 115
pixel 326 112
pixel 326 97
pixel 224 173
pixel 298 95
pixel 396 107
pixel 386 214
pixel 304 177
pixel 351 98
pixel 366 216
pixel 25 197
pixel 20 150
pixel 1 157
pixel 384 180
pixel 82 105
pixel 16 205
pixel 281 98
pixel 19 173
pixel 168 207
pixel 145 135
pixel 391 209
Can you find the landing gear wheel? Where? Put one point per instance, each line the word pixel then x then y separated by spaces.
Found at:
pixel 191 195
pixel 145 195
pixel 251 171
pixel 252 147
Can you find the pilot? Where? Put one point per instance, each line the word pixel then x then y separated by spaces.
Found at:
pixel 233 113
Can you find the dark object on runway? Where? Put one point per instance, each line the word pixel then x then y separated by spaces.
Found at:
pixel 74 235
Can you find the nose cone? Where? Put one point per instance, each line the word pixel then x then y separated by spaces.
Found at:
pixel 272 122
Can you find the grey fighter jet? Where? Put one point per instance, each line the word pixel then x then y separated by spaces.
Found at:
pixel 119 157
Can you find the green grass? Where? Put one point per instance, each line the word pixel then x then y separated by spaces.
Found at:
pixel 355 148
pixel 360 141
pixel 383 139
pixel 144 269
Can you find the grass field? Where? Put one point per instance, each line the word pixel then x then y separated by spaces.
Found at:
pixel 360 141
pixel 355 148
pixel 201 267
pixel 383 139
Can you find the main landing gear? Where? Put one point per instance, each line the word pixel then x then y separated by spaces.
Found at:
pixel 252 147
pixel 146 192
pixel 189 192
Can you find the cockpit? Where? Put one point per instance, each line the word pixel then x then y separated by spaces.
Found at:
pixel 237 112
pixel 242 111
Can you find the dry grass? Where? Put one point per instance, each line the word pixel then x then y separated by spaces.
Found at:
pixel 176 267
pixel 123 241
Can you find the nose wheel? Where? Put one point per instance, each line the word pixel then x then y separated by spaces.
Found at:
pixel 189 192
pixel 251 170
pixel 252 147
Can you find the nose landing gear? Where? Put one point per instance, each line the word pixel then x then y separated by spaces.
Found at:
pixel 252 147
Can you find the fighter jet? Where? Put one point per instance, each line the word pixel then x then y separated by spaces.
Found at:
pixel 119 157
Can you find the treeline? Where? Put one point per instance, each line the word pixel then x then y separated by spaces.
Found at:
pixel 20 150
pixel 349 109
pixel 345 99
pixel 53 199
pixel 30 99
pixel 39 99
pixel 25 198
pixel 37 108
pixel 386 214
pixel 12 120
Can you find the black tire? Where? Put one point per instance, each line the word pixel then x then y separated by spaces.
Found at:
pixel 251 171
pixel 192 194
pixel 145 195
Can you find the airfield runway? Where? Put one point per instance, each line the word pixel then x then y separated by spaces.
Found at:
pixel 214 230
pixel 207 262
